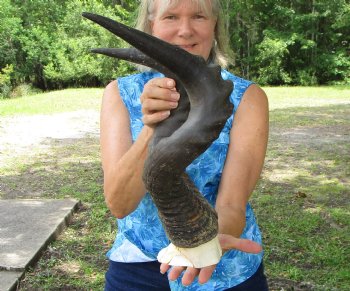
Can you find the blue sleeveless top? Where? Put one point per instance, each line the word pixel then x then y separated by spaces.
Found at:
pixel 141 236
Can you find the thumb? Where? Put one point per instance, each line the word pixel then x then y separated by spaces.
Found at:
pixel 229 242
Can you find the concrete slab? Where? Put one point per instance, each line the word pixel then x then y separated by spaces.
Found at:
pixel 26 228
pixel 9 280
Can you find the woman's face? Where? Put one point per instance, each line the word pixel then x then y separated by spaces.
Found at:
pixel 186 26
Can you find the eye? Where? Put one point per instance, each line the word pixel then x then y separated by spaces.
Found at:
pixel 169 17
pixel 199 16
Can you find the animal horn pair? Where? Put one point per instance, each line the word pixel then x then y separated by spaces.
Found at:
pixel 189 220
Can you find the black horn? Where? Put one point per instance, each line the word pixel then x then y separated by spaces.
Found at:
pixel 188 218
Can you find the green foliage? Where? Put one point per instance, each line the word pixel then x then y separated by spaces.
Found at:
pixel 48 42
pixel 5 81
pixel 10 29
pixel 291 42
pixel 275 42
pixel 72 64
pixel 271 54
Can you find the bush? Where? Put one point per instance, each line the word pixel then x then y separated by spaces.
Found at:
pixel 306 78
pixel 270 57
pixel 5 81
pixel 23 90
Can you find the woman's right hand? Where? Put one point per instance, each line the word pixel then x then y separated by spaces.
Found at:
pixel 159 96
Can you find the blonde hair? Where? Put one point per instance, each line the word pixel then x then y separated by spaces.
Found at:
pixel 220 52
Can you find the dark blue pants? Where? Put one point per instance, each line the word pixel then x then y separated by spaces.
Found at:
pixel 146 277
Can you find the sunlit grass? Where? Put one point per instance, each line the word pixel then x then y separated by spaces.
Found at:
pixel 52 102
pixel 287 97
pixel 302 201
pixel 77 99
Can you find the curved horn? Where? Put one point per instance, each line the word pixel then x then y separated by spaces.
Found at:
pixel 188 218
pixel 166 54
pixel 135 56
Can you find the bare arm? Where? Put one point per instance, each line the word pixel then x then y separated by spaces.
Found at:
pixel 122 160
pixel 244 160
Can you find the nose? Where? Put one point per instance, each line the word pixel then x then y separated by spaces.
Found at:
pixel 185 28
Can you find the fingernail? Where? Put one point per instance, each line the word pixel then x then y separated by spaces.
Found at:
pixel 175 96
pixel 166 113
pixel 173 104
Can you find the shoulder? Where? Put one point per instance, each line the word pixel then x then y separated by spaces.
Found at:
pixel 111 100
pixel 254 106
pixel 255 95
pixel 112 87
pixel 255 90
pixel 111 91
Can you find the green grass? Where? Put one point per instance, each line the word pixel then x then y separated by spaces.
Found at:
pixel 52 102
pixel 301 201
pixel 288 97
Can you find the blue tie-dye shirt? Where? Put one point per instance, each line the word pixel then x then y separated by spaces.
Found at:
pixel 141 236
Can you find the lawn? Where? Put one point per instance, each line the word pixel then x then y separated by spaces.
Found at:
pixel 301 201
pixel 52 102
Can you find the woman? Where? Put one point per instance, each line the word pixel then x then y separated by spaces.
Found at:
pixel 225 174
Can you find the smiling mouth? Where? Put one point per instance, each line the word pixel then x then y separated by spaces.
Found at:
pixel 186 47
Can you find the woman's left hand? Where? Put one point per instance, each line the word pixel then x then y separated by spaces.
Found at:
pixel 227 242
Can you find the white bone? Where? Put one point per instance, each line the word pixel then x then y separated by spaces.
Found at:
pixel 202 256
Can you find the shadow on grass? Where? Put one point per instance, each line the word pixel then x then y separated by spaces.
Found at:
pixel 302 200
pixel 69 167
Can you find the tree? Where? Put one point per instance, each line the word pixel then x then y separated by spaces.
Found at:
pixel 10 29
pixel 310 39
pixel 274 41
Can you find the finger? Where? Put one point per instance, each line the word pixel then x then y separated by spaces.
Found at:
pixel 151 105
pixel 164 268
pixel 229 242
pixel 175 272
pixel 189 275
pixel 152 119
pixel 159 93
pixel 157 89
pixel 162 83
pixel 205 274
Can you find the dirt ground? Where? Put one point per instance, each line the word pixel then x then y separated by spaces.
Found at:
pixel 21 134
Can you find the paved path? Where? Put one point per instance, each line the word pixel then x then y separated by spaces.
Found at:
pixel 26 228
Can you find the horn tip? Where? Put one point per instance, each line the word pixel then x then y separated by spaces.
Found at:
pixel 87 15
pixel 96 51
